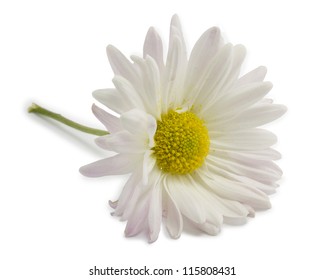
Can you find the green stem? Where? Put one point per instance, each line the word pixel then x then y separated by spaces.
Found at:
pixel 34 108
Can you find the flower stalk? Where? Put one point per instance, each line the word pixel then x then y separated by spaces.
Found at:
pixel 34 108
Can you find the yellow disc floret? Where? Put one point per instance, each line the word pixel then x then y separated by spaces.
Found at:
pixel 181 142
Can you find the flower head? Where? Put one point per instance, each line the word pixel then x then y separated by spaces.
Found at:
pixel 187 132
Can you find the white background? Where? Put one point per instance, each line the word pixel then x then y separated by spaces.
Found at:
pixel 56 224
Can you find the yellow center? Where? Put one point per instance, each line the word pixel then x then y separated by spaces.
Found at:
pixel 181 142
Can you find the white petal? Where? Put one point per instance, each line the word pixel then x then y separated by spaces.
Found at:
pixel 113 100
pixel 176 31
pixel 137 222
pixel 148 165
pixel 267 154
pixel 128 92
pixel 238 99
pixel 207 200
pixel 153 47
pixel 153 86
pixel 173 77
pixel 224 76
pixel 262 114
pixel 146 211
pixel 237 60
pixel 155 211
pixel 174 220
pixel 208 228
pixel 121 65
pixel 266 187
pixel 116 165
pixel 256 75
pixel 136 120
pixel 250 210
pixel 259 172
pixel 267 101
pixel 236 191
pixel 185 198
pixel 204 89
pixel 141 124
pixel 111 122
pixel 215 206
pixel 127 193
pixel 235 221
pixel 246 155
pixel 176 64
pixel 243 140
pixel 203 52
pixel 247 159
pixel 233 211
pixel 151 92
pixel 140 190
pixel 122 142
pixel 255 116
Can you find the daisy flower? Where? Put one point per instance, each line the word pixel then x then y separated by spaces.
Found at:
pixel 187 131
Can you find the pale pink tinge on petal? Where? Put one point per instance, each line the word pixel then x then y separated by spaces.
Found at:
pixel 153 47
pixel 113 204
pixel 146 212
pixel 137 221
pixel 116 165
pixel 130 189
pixel 122 142
pixel 111 122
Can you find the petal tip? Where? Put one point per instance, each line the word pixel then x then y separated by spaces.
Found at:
pixel 175 19
pixel 85 171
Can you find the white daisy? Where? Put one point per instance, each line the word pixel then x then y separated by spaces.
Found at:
pixel 187 134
